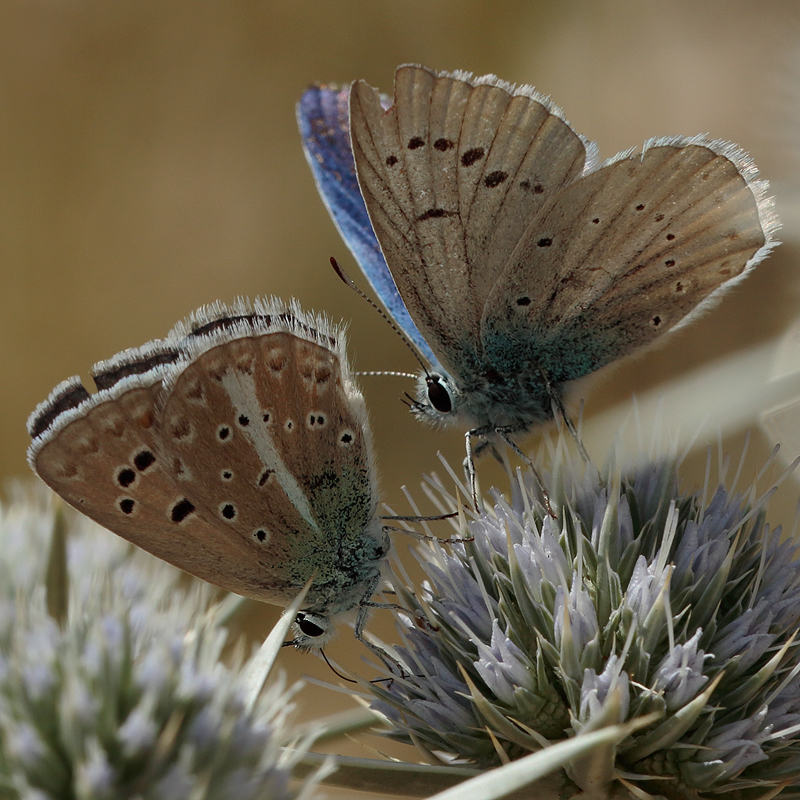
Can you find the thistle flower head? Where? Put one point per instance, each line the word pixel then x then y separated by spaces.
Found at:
pixel 638 599
pixel 128 696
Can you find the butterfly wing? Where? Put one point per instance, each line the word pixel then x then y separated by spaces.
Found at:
pixel 451 174
pixel 265 421
pixel 625 254
pixel 188 452
pixel 322 116
pixel 102 455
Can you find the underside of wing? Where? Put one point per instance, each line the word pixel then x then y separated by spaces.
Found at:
pixel 627 253
pixel 266 419
pixel 102 457
pixel 451 175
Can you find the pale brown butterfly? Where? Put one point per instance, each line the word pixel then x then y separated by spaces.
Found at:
pixel 512 259
pixel 238 449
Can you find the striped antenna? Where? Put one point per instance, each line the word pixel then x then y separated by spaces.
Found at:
pixel 348 281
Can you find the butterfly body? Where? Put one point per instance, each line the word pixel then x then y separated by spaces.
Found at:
pixel 512 259
pixel 237 449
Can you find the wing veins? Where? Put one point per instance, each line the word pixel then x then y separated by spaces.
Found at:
pixel 622 209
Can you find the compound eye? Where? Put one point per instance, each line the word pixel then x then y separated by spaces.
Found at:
pixel 438 396
pixel 307 627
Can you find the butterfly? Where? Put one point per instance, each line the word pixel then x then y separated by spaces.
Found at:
pixel 238 449
pixel 509 255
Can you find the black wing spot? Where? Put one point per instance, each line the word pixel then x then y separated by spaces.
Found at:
pixel 391 161
pixel 266 417
pixel 223 432
pixel 244 420
pixel 523 301
pixel 640 207
pixel 537 188
pixel 346 438
pixel 265 475
pixel 143 460
pixel 126 505
pixel 125 477
pixel 442 145
pixel 596 221
pixel 415 142
pixel 670 262
pixel 261 535
pixel 182 509
pixel 678 287
pixel 226 475
pixel 545 241
pixel 656 321
pixel 670 237
pixel 289 425
pixel 316 419
pixel 495 178
pixel 435 213
pixel 471 156
pixel 228 510
pixel 659 217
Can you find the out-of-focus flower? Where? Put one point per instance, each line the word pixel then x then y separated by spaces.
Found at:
pixel 128 696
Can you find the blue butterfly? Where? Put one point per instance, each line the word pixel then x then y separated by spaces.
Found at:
pixel 512 259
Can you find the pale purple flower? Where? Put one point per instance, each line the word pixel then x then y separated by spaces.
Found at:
pixel 639 600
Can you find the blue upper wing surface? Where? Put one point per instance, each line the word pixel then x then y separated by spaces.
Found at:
pixel 323 118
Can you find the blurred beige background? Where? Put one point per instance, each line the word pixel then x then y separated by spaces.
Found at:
pixel 150 163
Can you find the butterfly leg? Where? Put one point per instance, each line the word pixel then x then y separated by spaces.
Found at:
pixel 361 621
pixel 504 434
pixel 555 397
pixel 469 463
pixel 424 537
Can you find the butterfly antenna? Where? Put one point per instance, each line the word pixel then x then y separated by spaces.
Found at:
pixel 348 281
pixel 383 373
pixel 333 669
pixel 417 518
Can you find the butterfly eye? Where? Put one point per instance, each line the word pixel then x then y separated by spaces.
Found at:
pixel 307 627
pixel 438 396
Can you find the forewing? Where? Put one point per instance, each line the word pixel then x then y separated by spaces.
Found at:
pixel 104 457
pixel 626 254
pixel 264 422
pixel 323 118
pixel 451 174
